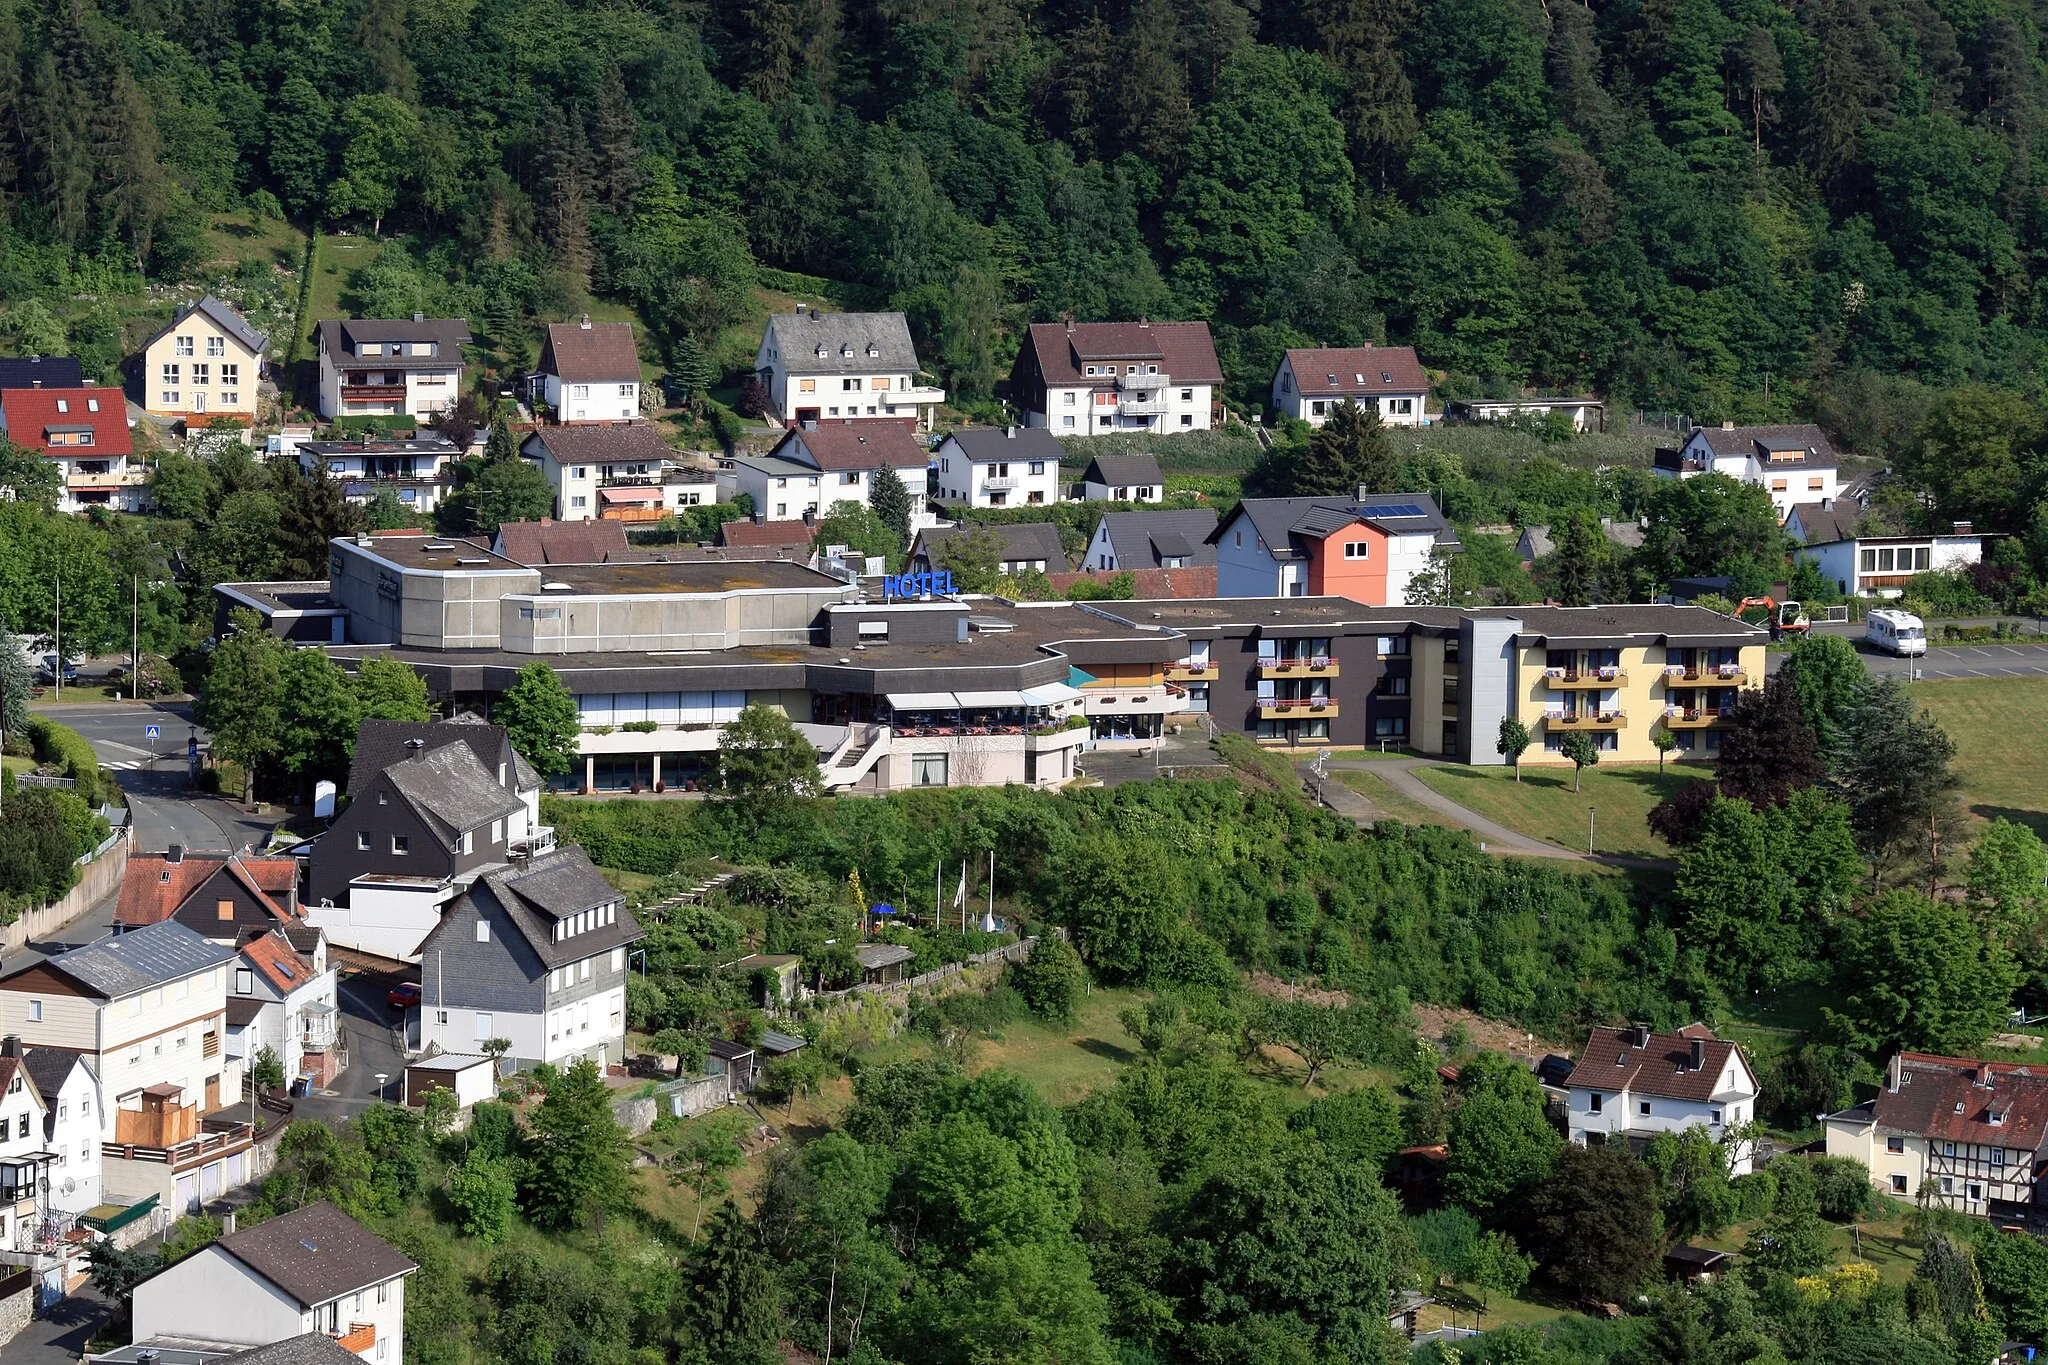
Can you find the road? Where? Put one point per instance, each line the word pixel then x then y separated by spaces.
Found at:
pixel 152 773
pixel 1945 662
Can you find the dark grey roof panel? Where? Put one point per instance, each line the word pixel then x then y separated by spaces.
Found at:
pixel 136 961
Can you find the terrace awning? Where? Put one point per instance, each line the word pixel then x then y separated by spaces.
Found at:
pixel 923 701
pixel 1050 694
pixel 991 698
pixel 629 494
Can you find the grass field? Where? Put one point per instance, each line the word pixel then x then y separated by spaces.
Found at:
pixel 1406 809
pixel 1883 1241
pixel 1544 806
pixel 1997 724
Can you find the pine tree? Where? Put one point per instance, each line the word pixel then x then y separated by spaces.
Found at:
pixel 616 132
pixel 1348 456
pixel 891 501
pixel 380 37
pixel 566 191
pixel 733 1300
pixel 1578 560
pixel 693 366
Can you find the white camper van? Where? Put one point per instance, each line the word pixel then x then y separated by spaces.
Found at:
pixel 1896 632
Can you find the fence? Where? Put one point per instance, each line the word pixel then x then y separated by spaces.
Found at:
pixel 1009 952
pixel 38 780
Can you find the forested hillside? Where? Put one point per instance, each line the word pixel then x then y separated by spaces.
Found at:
pixel 1685 203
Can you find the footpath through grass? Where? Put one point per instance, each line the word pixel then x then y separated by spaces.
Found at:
pixel 1544 806
pixel 1999 726
pixel 1393 804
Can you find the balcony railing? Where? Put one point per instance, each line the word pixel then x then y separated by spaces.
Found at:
pixel 1319 666
pixel 1001 484
pixel 539 840
pixel 921 396
pixel 1564 679
pixel 1708 673
pixel 126 479
pixel 368 393
pixel 1144 381
pixel 1142 403
pixel 1586 720
pixel 440 474
pixel 219 1136
pixel 1692 717
pixel 1306 708
pixel 360 1338
pixel 1193 672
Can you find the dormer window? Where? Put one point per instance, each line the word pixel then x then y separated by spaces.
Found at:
pixel 63 405
pixel 821 351
pixel 1386 378
pixel 1997 1118
pixel 846 352
pixel 92 405
pixel 873 350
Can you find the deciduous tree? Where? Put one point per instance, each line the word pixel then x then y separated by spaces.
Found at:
pixel 540 719
pixel 574 1161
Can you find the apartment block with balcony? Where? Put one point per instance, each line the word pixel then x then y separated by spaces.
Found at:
pixel 418 470
pixel 997 467
pixel 622 472
pixel 1098 378
pixel 1955 1132
pixel 1631 1084
pixel 205 366
pixel 84 433
pixel 819 366
pixel 379 367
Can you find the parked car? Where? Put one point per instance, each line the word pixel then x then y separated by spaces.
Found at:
pixel 405 995
pixel 46 670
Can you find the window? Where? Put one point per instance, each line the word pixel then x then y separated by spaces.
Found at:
pixel 483 931
pixel 1037 467
pixel 618 959
pixel 1357 549
pixel 21 1131
pixel 230 374
pixel 362 841
pixel 1393 646
pixel 626 390
pixel 467 836
pixel 171 370
pixel 581 471
pixel 579 391
pixel 1948 1149
pixel 1898 1184
pixel 216 346
pixel 497 831
pixel 182 346
pixel 1594 1101
pixel 1064 421
pixel 579 501
pixel 401 844
pixel 35 1011
pixel 928 770
pixel 224 910
pixel 1974 1191
pixel 168 398
pixel 202 375
pixel 245 981
pixel 584 975
pixel 1998 1156
pixel 806 386
pixel 1895 1143
pixel 1067 398
pixel 230 396
pixel 483 1027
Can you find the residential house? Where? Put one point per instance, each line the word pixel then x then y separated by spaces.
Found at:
pixel 1583 414
pixel 590 372
pixel 220 896
pixel 1883 566
pixel 1633 1083
pixel 1092 378
pixel 817 366
pixel 1794 463
pixel 313 1270
pixel 1954 1132
pixel 203 367
pixel 534 953
pixel 1536 540
pixel 430 808
pixel 71 1124
pixel 1026 545
pixel 1311 381
pixel 84 432
pixel 26 1161
pixel 285 1000
pixel 380 367
pixel 1152 540
pixel 624 472
pixel 419 470
pixel 1824 522
pixel 757 533
pixel 1194 581
pixel 997 467
pixel 1123 478
pixel 148 1009
pixel 540 543
pixel 1369 550
pixel 41 372
pixel 814 468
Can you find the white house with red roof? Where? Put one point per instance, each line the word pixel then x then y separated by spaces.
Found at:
pixel 590 372
pixel 1095 378
pixel 284 999
pixel 1961 1133
pixel 1631 1084
pixel 812 468
pixel 85 431
pixel 1312 381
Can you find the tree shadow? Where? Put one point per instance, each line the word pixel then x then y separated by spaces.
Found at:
pixel 2032 819
pixel 1109 1051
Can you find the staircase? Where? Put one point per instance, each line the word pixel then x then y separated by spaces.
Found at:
pixel 856 757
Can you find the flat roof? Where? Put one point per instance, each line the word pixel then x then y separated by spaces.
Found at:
pixel 299 597
pixel 436 554
pixel 687 576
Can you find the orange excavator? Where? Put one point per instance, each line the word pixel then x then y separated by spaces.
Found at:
pixel 1784 618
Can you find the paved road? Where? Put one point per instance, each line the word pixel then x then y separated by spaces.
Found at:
pixel 58 1337
pixel 152 773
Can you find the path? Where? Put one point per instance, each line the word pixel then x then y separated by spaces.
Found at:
pixel 1494 837
pixel 59 1336
pixel 152 773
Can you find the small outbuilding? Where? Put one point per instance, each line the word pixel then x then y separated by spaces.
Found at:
pixel 883 964
pixel 472 1077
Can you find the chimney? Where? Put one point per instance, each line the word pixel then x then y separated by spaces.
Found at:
pixel 1010 433
pixel 175 854
pixel 584 324
pixel 760 518
pixel 1963 528
pixel 10 1046
pixel 35 383
pixel 1892 1071
pixel 415 743
pixel 1699 1054
pixel 419 317
pixel 802 309
pixel 1070 326
pixel 1727 426
pixel 810 516
pixel 1827 504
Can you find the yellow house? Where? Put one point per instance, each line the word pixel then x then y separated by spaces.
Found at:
pixel 204 366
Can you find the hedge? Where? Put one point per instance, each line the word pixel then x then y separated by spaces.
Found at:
pixel 66 749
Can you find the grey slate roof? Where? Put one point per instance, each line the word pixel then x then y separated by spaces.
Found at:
pixel 316 1254
pixel 224 315
pixel 535 895
pixel 312 1348
pixel 1140 539
pixel 1824 524
pixel 1819 451
pixel 798 337
pixel 338 337
pixel 982 444
pixel 1389 512
pixel 451 790
pixel 50 1067
pixel 138 960
pixel 41 372
pixel 381 743
pixel 1123 471
pixel 1022 541
pixel 1278 520
pixel 877 955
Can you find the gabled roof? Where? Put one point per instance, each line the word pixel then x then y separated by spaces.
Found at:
pixel 855 443
pixel 274 959
pixel 51 1067
pixel 1355 371
pixel 308 1348
pixel 317 1254
pixel 1816 452
pixel 799 337
pixel 537 895
pixel 1185 351
pixel 535 543
pixel 223 315
pixel 1826 523
pixel 1123 471
pixel 798 534
pixel 1280 520
pixel 1613 1061
pixel 604 444
pixel 340 336
pixel 873 956
pixel 10 1067
pixel 982 444
pixel 33 414
pixel 381 743
pixel 451 790
pixel 587 352
pixel 1141 539
pixel 1953 1098
pixel 136 961
pixel 41 372
pixel 1024 540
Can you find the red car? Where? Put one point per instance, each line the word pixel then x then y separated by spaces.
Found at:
pixel 405 995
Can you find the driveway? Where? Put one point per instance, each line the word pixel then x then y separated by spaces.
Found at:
pixel 58 1337
pixel 367 1022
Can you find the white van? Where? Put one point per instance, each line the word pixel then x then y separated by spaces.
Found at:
pixel 1896 632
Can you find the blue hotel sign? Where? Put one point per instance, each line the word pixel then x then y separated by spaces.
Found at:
pixel 937 583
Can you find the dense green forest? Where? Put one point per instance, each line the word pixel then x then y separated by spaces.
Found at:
pixel 1678 202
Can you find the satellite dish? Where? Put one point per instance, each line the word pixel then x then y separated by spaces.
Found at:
pixel 70 1185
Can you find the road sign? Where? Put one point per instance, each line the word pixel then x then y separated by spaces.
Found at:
pixel 152 732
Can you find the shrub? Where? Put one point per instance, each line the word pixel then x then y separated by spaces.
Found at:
pixel 1050 980
pixel 640 727
pixel 66 749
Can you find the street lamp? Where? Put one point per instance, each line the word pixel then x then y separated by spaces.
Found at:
pixel 1589 827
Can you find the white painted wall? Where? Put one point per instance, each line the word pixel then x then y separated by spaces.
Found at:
pixel 211 1296
pixel 592 402
pixel 76 1140
pixel 387 920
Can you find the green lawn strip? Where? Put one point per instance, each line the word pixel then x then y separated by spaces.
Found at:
pixel 1396 806
pixel 1544 806
pixel 1996 724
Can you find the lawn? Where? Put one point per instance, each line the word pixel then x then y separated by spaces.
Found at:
pixel 1393 804
pixel 334 259
pixel 1066 1061
pixel 1544 806
pixel 1995 722
pixel 1883 1241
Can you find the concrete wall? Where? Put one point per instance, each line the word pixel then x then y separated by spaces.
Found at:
pixel 564 623
pixel 683 1099
pixel 1487 674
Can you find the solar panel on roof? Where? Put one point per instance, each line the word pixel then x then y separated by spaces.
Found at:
pixel 1394 509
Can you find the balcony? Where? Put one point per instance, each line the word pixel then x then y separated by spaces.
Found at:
pixel 1144 381
pixel 1001 485
pixel 219 1136
pixel 360 1338
pixel 1727 675
pixel 319 1027
pixel 125 479
pixel 540 840
pixel 1586 720
pixel 1320 666
pixel 1569 679
pixel 922 396
pixel 1142 403
pixel 1692 717
pixel 372 393
pixel 1192 672
pixel 1307 708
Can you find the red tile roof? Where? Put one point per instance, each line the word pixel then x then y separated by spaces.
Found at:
pixel 32 413
pixel 1348 371
pixel 583 352
pixel 1953 1098
pixel 153 888
pixel 769 533
pixel 1184 349
pixel 278 962
pixel 863 443
pixel 1613 1061
pixel 1198 581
